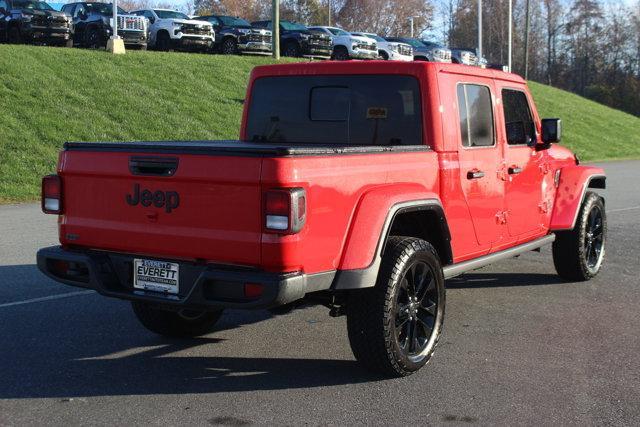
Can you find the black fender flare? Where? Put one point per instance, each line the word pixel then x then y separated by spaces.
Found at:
pixel 366 277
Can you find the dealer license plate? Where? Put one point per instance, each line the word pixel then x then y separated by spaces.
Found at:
pixel 157 276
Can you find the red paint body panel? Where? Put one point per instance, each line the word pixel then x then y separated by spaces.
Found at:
pixel 571 189
pixel 348 197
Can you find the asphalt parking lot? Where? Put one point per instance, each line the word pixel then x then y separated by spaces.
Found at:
pixel 519 347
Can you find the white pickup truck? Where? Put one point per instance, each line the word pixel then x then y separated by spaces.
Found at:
pixel 390 51
pixel 347 46
pixel 169 29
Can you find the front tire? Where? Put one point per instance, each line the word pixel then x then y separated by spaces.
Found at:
pixel 13 35
pixel 163 43
pixel 383 55
pixel 92 40
pixel 394 327
pixel 229 47
pixel 341 53
pixel 180 324
pixel 292 50
pixel 578 254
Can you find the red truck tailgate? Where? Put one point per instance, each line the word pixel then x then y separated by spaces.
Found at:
pixel 208 207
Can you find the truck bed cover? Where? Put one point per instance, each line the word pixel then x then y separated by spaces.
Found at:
pixel 238 148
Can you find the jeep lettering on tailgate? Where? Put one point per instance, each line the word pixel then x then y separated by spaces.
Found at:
pixel 169 199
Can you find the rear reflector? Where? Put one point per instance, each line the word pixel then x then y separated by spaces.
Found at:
pixel 51 194
pixel 253 290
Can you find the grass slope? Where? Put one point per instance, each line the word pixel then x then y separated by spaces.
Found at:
pixel 592 130
pixel 51 95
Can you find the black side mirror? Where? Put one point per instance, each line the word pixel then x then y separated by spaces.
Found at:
pixel 551 130
pixel 152 20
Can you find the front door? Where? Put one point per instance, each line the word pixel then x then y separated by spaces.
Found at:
pixel 525 165
pixel 481 161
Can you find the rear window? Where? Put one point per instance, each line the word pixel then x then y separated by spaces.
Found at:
pixel 344 110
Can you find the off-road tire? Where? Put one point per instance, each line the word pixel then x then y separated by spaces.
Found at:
pixel 229 46
pixel 340 53
pixel 92 39
pixel 383 55
pixel 13 35
pixel 371 312
pixel 163 41
pixel 291 49
pixel 177 324
pixel 571 248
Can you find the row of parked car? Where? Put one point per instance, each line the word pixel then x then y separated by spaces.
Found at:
pixel 89 24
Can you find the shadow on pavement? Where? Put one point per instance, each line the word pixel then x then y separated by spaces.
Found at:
pixel 498 280
pixel 90 345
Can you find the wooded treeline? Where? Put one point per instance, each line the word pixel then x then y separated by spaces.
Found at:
pixel 591 47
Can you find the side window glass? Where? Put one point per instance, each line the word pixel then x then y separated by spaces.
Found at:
pixel 518 119
pixel 79 10
pixel 464 121
pixel 3 5
pixel 476 116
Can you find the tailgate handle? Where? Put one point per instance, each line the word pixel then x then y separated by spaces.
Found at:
pixel 155 166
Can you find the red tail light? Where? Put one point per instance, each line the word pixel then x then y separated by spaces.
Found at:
pixel 285 210
pixel 51 194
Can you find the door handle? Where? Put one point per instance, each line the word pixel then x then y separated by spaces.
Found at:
pixel 514 170
pixel 475 174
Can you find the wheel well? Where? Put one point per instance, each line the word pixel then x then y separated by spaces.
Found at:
pixel 427 224
pixel 340 47
pixel 598 182
pixel 163 32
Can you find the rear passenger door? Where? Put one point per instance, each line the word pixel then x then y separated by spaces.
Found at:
pixel 525 165
pixel 480 157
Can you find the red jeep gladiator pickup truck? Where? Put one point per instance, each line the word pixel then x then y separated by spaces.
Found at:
pixel 361 186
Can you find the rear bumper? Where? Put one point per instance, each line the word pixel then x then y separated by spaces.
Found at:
pixel 202 286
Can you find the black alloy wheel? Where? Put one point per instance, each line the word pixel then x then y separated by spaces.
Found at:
pixel 292 50
pixel 394 326
pixel 416 307
pixel 594 238
pixel 229 46
pixel 93 39
pixel 578 254
pixel 14 36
